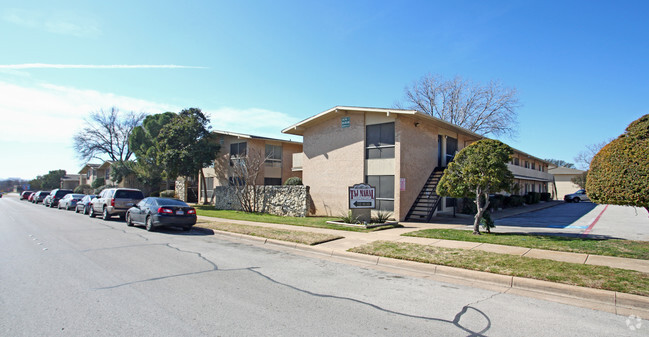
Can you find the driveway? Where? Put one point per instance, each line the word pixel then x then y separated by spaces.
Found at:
pixel 584 218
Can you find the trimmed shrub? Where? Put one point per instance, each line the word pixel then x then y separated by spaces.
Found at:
pixel 468 207
pixel 514 201
pixel 293 181
pixel 545 196
pixel 168 194
pixel 99 182
pixel 532 198
pixel 619 173
pixel 496 201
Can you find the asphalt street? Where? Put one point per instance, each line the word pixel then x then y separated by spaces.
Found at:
pixel 65 274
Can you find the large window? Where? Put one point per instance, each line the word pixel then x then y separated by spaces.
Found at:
pixel 379 141
pixel 238 149
pixel 273 156
pixel 272 181
pixel 384 191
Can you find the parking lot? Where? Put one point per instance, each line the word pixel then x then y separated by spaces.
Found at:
pixel 584 218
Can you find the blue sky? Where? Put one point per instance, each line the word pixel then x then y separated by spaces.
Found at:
pixel 580 67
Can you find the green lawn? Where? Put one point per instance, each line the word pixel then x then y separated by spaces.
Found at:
pixel 627 281
pixel 317 222
pixel 609 247
pixel 306 238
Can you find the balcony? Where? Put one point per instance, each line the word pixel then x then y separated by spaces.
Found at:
pixel 521 172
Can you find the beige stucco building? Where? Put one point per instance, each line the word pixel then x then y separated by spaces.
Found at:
pixel 395 151
pixel 279 162
pixel 563 180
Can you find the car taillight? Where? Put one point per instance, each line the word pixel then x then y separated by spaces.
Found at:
pixel 191 211
pixel 112 202
pixel 163 210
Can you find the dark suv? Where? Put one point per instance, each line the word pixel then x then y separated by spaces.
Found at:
pixel 53 199
pixel 115 201
pixel 40 196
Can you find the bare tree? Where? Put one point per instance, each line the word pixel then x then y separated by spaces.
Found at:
pixel 584 157
pixel 245 172
pixel 488 109
pixel 105 135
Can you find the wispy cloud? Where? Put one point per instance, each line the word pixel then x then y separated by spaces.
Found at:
pixel 68 22
pixel 94 66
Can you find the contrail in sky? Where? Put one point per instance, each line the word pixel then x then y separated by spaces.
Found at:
pixel 94 66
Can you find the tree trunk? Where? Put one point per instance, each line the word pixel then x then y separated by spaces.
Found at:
pixel 201 178
pixel 478 215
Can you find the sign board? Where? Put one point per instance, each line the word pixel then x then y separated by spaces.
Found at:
pixel 362 196
pixel 344 122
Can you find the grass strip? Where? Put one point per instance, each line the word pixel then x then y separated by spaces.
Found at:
pixel 316 222
pixel 600 277
pixel 306 238
pixel 608 247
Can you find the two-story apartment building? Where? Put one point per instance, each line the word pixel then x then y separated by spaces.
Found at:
pixel 399 152
pixel 277 153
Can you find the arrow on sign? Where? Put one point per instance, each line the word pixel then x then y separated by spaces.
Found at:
pixel 361 203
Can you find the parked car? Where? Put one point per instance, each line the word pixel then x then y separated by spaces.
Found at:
pixel 576 197
pixel 115 201
pixel 55 196
pixel 40 196
pixel 83 205
pixel 25 195
pixel 156 212
pixel 69 201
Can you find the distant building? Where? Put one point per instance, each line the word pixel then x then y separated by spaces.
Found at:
pixel 70 181
pixel 563 180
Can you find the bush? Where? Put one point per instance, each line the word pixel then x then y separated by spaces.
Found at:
pixel 381 217
pixel 99 182
pixel 618 173
pixel 532 198
pixel 103 187
pixel 497 201
pixel 486 222
pixel 155 194
pixel 468 207
pixel 514 201
pixel 545 196
pixel 168 194
pixel 85 189
pixel 349 218
pixel 293 181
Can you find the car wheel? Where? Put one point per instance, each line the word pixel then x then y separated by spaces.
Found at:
pixel 105 215
pixel 76 209
pixel 128 220
pixel 575 199
pixel 91 212
pixel 149 223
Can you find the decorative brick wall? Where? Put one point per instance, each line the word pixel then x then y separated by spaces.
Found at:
pixel 278 200
pixel 181 188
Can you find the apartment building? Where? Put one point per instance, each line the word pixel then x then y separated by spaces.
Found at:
pixel 401 153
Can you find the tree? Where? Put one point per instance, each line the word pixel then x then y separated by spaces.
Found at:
pixel 477 171
pixel 584 157
pixel 49 181
pixel 245 171
pixel 619 172
pixel 185 145
pixel 144 144
pixel 560 163
pixel 483 109
pixel 106 134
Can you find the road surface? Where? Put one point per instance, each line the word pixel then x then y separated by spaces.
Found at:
pixel 64 274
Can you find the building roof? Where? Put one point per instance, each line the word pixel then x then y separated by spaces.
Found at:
pixel 246 136
pixel 87 167
pixel 71 177
pixel 565 170
pixel 298 128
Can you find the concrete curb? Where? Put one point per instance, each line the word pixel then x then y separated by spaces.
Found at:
pixel 597 299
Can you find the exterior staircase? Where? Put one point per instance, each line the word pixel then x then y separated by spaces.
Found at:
pixel 424 207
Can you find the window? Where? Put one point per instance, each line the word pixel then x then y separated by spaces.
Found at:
pixel 272 181
pixel 384 191
pixel 273 156
pixel 516 162
pixel 527 164
pixel 107 175
pixel 238 149
pixel 379 141
pixel 533 166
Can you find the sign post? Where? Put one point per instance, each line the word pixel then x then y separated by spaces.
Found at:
pixel 362 199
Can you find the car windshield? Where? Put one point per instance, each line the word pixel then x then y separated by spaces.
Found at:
pixel 76 196
pixel 171 202
pixel 126 194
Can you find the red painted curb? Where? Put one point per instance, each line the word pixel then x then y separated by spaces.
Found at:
pixel 594 222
